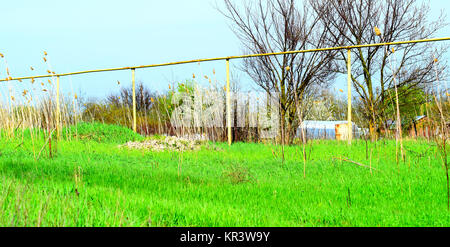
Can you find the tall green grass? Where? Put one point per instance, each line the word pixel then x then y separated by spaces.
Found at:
pixel 96 183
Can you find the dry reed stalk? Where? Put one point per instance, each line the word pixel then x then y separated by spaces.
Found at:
pixel 442 144
pixel 43 146
pixel 399 123
pixel 354 162
pixel 300 113
pixel 370 161
pixel 31 132
pixel 180 162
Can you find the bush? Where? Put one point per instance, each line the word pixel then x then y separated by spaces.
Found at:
pixel 237 174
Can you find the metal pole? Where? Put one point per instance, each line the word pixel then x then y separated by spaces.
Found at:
pixel 134 98
pixel 349 95
pixel 58 110
pixel 228 103
pixel 230 57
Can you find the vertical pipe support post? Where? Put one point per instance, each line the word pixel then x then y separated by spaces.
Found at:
pixel 58 110
pixel 349 96
pixel 133 82
pixel 228 103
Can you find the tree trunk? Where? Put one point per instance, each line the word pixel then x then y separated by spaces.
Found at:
pixel 282 125
pixel 373 134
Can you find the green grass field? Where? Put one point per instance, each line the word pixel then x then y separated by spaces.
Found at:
pixel 93 182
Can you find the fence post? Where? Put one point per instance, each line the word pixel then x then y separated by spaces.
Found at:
pixel 228 103
pixel 134 98
pixel 349 95
pixel 58 110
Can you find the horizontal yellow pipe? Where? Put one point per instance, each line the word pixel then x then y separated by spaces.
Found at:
pixel 231 57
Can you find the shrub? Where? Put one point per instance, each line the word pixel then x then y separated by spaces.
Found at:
pixel 237 174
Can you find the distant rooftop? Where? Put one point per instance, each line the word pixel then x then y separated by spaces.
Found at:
pixel 312 124
pixel 419 117
pixel 392 123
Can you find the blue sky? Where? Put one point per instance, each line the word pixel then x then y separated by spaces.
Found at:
pixel 94 34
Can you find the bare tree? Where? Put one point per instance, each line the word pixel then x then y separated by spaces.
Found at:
pixel 125 98
pixel 268 26
pixel 326 105
pixel 379 70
